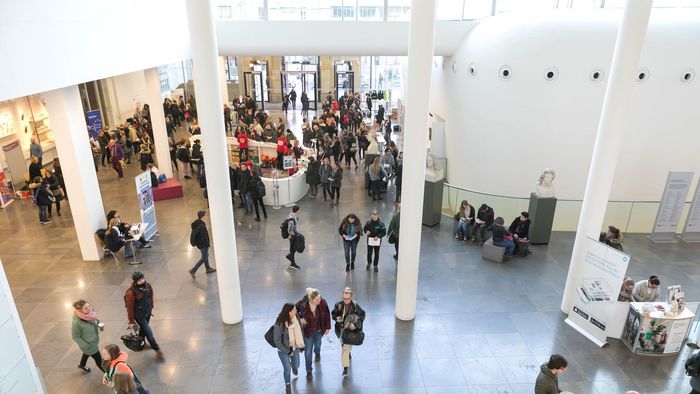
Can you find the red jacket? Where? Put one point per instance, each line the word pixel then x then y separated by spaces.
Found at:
pixel 281 144
pixel 130 298
pixel 322 316
pixel 243 141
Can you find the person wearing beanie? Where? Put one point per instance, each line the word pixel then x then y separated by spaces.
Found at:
pixel 626 290
pixel 139 303
pixel 199 237
pixel 501 236
pixel 315 317
pixel 647 290
pixel 520 228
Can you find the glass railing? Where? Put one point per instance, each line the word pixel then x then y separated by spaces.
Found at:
pixel 628 216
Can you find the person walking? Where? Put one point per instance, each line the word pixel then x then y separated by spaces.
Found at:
pixel 244 186
pixel 336 179
pixel 315 317
pixel 393 232
pixel 376 178
pixel 116 157
pixel 257 190
pixel 85 331
pixel 548 379
pixel 350 230
pixel 293 99
pixel 289 340
pixel 139 303
pixel 375 231
pixel 115 364
pixel 326 172
pixel 199 237
pixel 293 230
pixel 347 315
pixel 313 176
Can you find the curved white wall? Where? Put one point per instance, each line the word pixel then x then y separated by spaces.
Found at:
pixel 501 134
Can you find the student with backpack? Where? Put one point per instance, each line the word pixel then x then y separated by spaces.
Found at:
pixel 258 192
pixel 290 230
pixel 199 237
pixel 115 363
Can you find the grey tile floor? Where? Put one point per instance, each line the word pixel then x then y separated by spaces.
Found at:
pixel 481 327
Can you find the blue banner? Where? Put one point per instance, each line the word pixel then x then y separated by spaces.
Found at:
pixel 94 122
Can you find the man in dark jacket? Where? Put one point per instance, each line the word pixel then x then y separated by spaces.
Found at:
pixel 548 379
pixel 138 300
pixel 375 231
pixel 200 238
pixel 484 219
pixel 244 186
pixel 520 228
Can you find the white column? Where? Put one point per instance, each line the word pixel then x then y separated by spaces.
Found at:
pixel 18 373
pixel 420 58
pixel 154 99
pixel 613 121
pixel 224 81
pixel 70 133
pixel 211 118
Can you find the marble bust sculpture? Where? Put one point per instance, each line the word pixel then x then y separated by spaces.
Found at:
pixel 433 171
pixel 544 187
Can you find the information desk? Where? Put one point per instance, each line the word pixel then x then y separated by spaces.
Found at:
pixel 653 333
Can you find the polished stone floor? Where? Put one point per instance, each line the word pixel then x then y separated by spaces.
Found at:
pixel 481 327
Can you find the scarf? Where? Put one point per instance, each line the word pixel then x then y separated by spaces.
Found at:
pixel 296 339
pixel 88 317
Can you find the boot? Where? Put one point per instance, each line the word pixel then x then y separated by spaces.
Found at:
pixel 347 267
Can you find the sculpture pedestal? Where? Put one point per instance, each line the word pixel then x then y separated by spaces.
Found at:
pixel 432 202
pixel 541 212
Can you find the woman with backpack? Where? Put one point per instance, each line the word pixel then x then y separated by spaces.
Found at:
pixel 289 340
pixel 348 315
pixel 114 362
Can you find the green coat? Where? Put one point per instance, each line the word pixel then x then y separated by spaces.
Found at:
pixel 394 225
pixel 86 335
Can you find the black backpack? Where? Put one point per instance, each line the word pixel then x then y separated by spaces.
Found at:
pixel 692 365
pixel 260 188
pixel 284 227
pixel 193 236
pixel 183 154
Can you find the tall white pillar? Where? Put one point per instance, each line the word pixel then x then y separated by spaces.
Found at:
pixel 70 133
pixel 224 80
pixel 420 58
pixel 613 121
pixel 154 99
pixel 205 68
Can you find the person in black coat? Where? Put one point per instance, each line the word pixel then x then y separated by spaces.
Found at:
pixel 257 189
pixel 484 219
pixel 244 187
pixel 199 237
pixel 42 197
pixel 34 168
pixel 114 240
pixel 520 228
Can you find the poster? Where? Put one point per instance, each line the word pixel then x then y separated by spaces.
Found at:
pixel 147 207
pixel 691 232
pixel 671 206
pixel 5 193
pixel 94 123
pixel 598 280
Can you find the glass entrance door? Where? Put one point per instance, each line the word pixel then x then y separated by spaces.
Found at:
pixel 301 81
pixel 253 85
pixel 344 83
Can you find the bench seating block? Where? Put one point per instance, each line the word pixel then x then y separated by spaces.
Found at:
pixel 171 188
pixel 491 252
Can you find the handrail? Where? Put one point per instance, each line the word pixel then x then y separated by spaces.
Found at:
pixel 560 199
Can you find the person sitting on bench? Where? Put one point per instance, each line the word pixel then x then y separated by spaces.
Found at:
pixel 124 229
pixel 114 240
pixel 520 228
pixel 501 236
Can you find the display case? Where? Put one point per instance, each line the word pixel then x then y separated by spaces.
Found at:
pixel 656 332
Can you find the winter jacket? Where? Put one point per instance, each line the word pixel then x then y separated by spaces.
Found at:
pixel 138 302
pixel 345 229
pixel 352 313
pixel 280 333
pixel 313 175
pixel 522 228
pixel 243 141
pixel 86 335
pixel 321 319
pixel 202 235
pixel 337 177
pixel 118 365
pixel 114 240
pixel 244 181
pixel 325 172
pixel 470 214
pixel 486 216
pixel 547 382
pixel 34 171
pixel 499 232
pixel 376 228
pixel 42 196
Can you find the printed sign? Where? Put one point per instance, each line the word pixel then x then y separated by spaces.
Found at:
pixel 94 122
pixel 691 232
pixel 147 207
pixel 671 206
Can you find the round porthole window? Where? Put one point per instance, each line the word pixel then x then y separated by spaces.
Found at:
pixel 505 72
pixel 551 74
pixel 688 75
pixel 471 69
pixel 597 75
pixel 643 74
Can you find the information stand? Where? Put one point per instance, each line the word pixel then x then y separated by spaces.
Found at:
pixel 654 333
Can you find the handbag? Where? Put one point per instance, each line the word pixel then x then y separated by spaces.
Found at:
pixel 52 197
pixel 133 342
pixel 352 337
pixel 269 336
pixel 392 238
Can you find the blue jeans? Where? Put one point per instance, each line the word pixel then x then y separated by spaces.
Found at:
pixel 203 260
pixel 288 363
pixel 312 344
pixel 145 331
pixel 350 246
pixel 249 202
pixel 128 252
pixel 43 213
pixel 508 244
pixel 463 228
